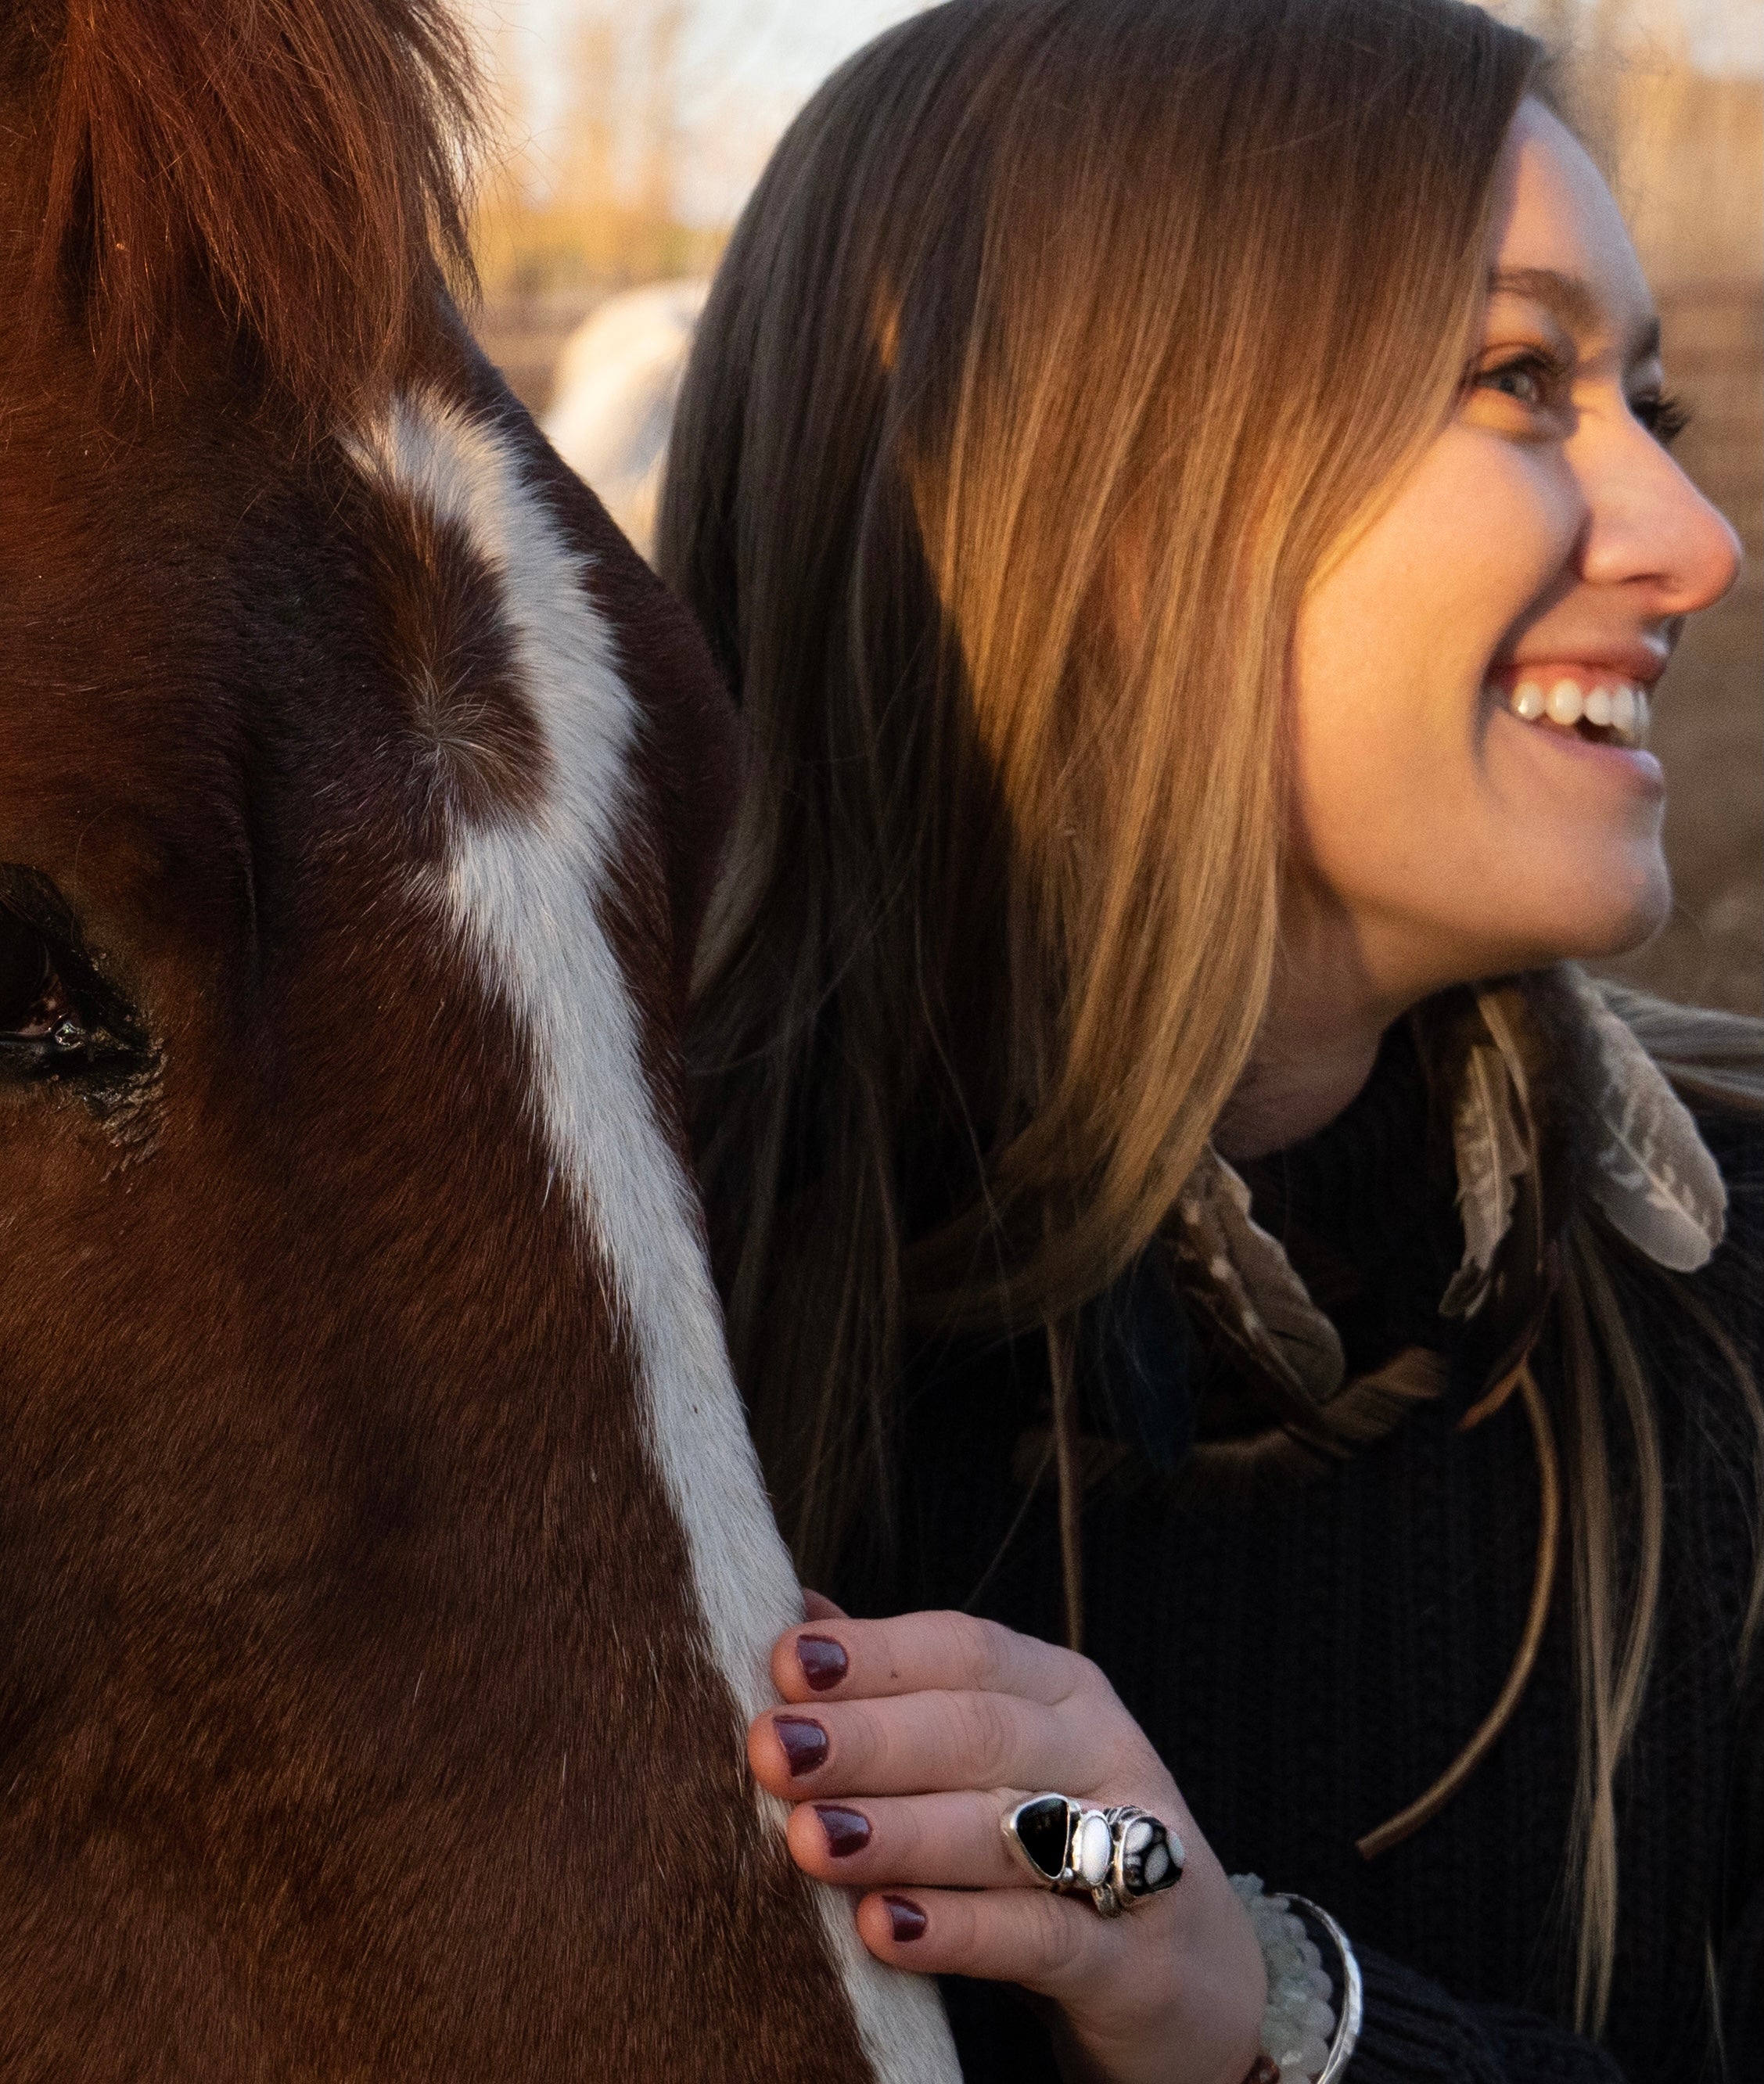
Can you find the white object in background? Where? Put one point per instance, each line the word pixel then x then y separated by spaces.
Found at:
pixel 612 408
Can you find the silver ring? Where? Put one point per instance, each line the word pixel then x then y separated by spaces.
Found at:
pixel 1117 1856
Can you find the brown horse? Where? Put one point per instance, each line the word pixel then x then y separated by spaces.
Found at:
pixel 385 1575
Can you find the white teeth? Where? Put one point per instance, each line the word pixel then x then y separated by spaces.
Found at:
pixel 1621 709
pixel 1565 702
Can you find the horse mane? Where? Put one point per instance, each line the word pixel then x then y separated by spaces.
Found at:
pixel 303 165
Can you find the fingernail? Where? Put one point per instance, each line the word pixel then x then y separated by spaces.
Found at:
pixel 848 1830
pixel 804 1743
pixel 823 1661
pixel 906 1920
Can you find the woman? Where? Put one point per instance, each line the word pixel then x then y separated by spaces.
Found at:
pixel 1180 489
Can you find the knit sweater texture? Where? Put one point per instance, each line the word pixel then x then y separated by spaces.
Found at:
pixel 1307 1664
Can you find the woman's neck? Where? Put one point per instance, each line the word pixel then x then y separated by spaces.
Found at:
pixel 1294 1087
pixel 1328 1010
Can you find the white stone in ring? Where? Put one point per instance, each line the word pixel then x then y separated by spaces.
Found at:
pixel 1093 1850
pixel 1158 1862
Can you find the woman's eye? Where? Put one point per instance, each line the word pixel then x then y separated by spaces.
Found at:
pixel 1664 417
pixel 1528 380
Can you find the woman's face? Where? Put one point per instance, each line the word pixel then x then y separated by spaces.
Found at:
pixel 1469 799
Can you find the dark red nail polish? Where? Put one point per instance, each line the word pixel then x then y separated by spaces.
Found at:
pixel 848 1830
pixel 906 1920
pixel 823 1661
pixel 804 1743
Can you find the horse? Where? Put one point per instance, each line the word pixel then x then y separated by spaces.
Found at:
pixel 618 380
pixel 387 1576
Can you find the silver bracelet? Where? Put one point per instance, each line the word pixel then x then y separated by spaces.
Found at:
pixel 1300 2034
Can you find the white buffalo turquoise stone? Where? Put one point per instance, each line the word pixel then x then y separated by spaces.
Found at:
pixel 1094 1849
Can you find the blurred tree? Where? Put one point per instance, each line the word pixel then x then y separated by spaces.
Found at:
pixel 599 208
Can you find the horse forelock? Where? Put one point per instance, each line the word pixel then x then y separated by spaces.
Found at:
pixel 533 883
pixel 297 170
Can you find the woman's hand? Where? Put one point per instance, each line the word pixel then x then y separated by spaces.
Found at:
pixel 906 1742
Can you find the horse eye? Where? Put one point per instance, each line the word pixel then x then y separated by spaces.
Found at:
pixel 34 1004
pixel 27 973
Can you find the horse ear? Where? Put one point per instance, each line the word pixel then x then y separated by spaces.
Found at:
pixel 300 165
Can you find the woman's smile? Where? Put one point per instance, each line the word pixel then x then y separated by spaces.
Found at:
pixel 1590 704
pixel 1600 758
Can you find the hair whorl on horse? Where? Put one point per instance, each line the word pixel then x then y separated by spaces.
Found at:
pixel 300 165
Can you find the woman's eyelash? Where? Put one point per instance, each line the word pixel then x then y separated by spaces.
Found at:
pixel 1544 372
pixel 1663 416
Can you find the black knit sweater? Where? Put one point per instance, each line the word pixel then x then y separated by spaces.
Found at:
pixel 1308 1666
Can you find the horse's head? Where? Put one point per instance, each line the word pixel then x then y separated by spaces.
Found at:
pixel 386 1569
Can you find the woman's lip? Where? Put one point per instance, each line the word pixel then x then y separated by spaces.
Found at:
pixel 1643 667
pixel 1639 770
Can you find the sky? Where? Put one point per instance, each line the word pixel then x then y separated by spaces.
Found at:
pixel 769 55
pixel 1728 35
pixel 806 39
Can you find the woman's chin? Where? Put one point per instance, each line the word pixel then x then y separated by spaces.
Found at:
pixel 1591 919
pixel 1623 915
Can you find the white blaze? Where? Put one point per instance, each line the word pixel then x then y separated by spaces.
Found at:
pixel 524 891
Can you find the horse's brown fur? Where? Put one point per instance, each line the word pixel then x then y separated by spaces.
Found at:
pixel 355 1718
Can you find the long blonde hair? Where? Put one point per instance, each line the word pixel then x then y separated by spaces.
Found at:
pixel 1062 345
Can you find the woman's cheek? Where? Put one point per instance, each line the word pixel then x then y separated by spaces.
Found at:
pixel 1534 516
pixel 1405 811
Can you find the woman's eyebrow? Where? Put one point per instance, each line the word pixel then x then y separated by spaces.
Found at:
pixel 1571 299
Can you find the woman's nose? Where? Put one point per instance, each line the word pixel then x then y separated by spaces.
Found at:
pixel 1649 526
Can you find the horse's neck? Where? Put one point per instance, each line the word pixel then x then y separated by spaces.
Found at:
pixel 546 901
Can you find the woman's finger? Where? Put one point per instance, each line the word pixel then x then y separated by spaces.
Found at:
pixel 926 1744
pixel 941 1840
pixel 1164 1977
pixel 817 1607
pixel 1051 1944
pixel 922 1653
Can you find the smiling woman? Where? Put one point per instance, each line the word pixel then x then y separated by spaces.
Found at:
pixel 1182 490
pixel 1475 669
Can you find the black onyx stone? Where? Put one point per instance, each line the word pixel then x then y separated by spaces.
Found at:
pixel 1042 1829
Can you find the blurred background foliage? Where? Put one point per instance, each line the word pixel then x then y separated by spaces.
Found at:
pixel 594 124
pixel 629 130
